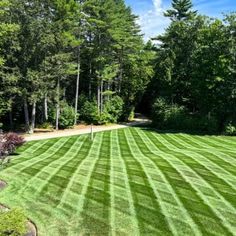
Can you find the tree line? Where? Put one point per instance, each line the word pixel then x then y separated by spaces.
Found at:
pixel 194 86
pixel 66 60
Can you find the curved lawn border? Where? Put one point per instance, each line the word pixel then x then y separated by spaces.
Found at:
pixel 32 229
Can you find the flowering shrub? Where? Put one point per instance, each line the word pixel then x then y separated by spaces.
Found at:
pixel 8 144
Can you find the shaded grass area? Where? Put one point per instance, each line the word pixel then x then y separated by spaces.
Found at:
pixel 132 181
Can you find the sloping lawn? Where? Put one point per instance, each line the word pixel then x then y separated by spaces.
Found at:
pixel 126 182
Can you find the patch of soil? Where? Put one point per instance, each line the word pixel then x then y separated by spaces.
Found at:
pixel 31 228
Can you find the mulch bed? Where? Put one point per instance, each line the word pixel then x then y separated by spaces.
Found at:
pixel 32 230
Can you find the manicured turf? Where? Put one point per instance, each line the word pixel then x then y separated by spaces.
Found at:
pixel 126 182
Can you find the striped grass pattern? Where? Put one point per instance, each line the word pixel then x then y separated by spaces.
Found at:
pixel 131 181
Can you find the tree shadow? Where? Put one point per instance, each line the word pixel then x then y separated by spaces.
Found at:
pixel 170 131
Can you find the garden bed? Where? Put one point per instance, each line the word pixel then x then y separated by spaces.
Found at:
pixel 31 228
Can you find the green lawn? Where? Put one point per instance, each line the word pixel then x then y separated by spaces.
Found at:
pixel 126 182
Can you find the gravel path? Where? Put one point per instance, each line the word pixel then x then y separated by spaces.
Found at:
pixel 86 130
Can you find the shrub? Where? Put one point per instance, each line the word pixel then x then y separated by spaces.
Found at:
pixel 66 118
pixel 230 129
pixel 104 118
pixel 167 116
pixel 128 112
pixel 8 144
pixel 12 222
pixel 131 115
pixel 174 117
pixel 89 112
pixel 114 109
pixel 45 125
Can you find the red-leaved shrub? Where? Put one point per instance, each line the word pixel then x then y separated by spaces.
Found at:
pixel 8 144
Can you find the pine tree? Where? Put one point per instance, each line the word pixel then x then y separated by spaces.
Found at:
pixel 181 10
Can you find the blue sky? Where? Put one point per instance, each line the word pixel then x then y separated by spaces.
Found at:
pixel 153 22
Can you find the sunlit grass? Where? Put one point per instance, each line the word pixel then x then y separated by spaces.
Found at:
pixel 126 182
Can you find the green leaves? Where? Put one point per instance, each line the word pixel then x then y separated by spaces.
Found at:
pixel 181 10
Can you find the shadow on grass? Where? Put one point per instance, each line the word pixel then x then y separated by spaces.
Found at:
pixel 170 131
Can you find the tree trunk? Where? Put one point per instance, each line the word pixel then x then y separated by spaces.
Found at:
pixel 46 107
pixel 58 104
pixel 33 118
pixel 26 111
pixel 11 119
pixel 99 98
pixel 121 71
pixel 77 87
pixel 90 80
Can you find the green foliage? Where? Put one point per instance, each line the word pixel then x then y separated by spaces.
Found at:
pixel 45 125
pixel 111 113
pixel 89 112
pixel 181 9
pixel 174 117
pixel 167 116
pixel 230 129
pixel 12 222
pixel 114 107
pixel 66 118
pixel 195 68
pixel 67 115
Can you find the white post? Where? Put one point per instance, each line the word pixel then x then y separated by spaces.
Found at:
pixel 91 132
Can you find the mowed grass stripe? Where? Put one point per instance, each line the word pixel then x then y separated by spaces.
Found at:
pixel 211 177
pixel 127 182
pixel 28 156
pixel 113 153
pixel 40 167
pixel 225 191
pixel 125 214
pixel 74 187
pixel 141 187
pixel 207 141
pixel 180 212
pixel 146 168
pixel 186 185
pixel 215 169
pixel 204 141
pixel 30 147
pixel 59 176
pixel 219 158
pixel 49 148
pixel 176 162
pixel 87 168
pixel 97 201
pixel 126 222
pixel 219 199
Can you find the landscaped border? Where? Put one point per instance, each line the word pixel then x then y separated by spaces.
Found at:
pixel 32 229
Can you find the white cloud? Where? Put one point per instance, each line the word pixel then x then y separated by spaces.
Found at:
pixel 157 4
pixel 153 22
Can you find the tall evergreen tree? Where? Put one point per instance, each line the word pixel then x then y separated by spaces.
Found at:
pixel 181 10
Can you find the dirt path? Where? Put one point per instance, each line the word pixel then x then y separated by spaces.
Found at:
pixel 84 130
